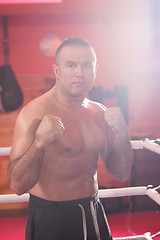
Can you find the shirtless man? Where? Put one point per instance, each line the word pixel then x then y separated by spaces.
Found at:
pixel 57 140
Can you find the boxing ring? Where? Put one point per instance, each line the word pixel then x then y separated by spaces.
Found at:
pixel 153 193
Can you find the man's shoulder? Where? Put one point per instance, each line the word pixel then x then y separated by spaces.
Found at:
pixel 96 106
pixel 33 109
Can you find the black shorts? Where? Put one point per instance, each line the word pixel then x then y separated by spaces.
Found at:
pixel 82 219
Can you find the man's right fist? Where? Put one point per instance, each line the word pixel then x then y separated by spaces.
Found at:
pixel 49 128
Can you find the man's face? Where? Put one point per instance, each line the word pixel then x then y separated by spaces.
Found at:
pixel 75 70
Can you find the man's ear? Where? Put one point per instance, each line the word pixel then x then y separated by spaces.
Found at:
pixel 55 69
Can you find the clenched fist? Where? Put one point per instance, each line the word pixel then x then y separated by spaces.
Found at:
pixel 49 128
pixel 114 118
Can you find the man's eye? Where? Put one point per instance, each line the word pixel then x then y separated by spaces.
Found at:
pixel 72 65
pixel 87 65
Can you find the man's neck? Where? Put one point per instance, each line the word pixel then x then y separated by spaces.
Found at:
pixel 67 100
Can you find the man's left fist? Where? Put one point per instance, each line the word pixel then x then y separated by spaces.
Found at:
pixel 113 116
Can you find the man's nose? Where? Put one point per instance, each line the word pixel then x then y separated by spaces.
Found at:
pixel 79 70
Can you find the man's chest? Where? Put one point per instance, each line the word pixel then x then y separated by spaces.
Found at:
pixel 82 134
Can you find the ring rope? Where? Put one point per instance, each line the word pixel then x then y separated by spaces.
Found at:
pixel 121 192
pixel 5 151
pixel 103 193
pixel 8 198
pixel 152 145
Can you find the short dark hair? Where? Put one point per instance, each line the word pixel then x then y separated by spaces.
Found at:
pixel 73 42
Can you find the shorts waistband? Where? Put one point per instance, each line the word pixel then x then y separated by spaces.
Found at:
pixel 34 200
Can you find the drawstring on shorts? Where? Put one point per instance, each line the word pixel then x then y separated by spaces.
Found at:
pixel 94 221
pixel 84 221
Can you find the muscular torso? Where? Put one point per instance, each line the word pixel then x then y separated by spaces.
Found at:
pixel 69 166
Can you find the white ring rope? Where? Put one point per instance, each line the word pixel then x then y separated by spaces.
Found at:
pixel 8 198
pixel 5 151
pixel 103 193
pixel 121 192
pixel 148 144
pixel 136 144
pixel 130 191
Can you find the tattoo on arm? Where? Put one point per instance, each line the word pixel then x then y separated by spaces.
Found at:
pixel 14 162
pixel 11 166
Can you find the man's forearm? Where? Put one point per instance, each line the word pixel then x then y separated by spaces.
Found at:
pixel 23 172
pixel 121 158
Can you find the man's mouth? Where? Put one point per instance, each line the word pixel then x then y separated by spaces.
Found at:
pixel 78 83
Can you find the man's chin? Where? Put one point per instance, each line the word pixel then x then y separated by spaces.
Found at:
pixel 78 95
